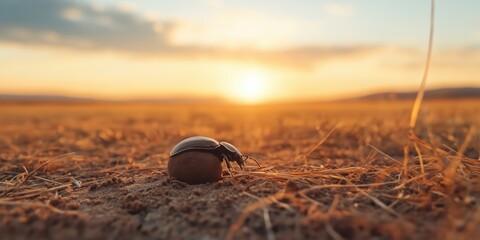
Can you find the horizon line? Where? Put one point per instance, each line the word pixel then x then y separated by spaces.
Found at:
pixel 448 92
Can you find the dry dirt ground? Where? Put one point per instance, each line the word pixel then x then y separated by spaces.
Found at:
pixel 328 171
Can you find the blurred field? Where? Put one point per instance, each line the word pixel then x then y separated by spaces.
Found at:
pixel 330 171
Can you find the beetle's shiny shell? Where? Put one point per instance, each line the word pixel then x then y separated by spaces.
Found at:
pixel 230 147
pixel 195 143
pixel 195 167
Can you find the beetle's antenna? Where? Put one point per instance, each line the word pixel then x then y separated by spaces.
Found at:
pixel 255 160
pixel 257 155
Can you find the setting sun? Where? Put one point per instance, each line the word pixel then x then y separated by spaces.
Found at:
pixel 252 88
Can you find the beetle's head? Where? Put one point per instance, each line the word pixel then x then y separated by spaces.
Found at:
pixel 233 154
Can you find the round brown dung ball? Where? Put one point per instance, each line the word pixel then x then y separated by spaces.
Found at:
pixel 195 167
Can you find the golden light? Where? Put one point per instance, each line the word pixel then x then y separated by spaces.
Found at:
pixel 251 88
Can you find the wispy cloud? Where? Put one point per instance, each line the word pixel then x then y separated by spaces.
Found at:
pixel 339 10
pixel 460 62
pixel 213 3
pixel 80 26
pixel 74 14
pixel 476 34
pixel 74 25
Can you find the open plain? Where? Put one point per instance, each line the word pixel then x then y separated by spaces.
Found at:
pixel 328 171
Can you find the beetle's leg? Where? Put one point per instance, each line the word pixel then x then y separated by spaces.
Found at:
pixel 229 159
pixel 241 164
pixel 229 166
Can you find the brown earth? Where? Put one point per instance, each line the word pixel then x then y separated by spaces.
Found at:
pixel 329 171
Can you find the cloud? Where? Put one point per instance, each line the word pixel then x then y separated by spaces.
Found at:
pixel 213 3
pixel 339 10
pixel 240 28
pixel 295 57
pixel 76 23
pixel 460 60
pixel 80 26
pixel 73 14
pixel 476 34
pixel 127 7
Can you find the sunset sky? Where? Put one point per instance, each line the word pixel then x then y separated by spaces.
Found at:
pixel 242 50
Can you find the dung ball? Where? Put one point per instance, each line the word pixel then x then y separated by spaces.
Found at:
pixel 195 167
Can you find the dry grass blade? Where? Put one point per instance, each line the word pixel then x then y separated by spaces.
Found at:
pixel 386 155
pixel 38 205
pixel 333 205
pixel 48 180
pixel 44 164
pixel 304 192
pixel 35 192
pixel 328 227
pixel 405 164
pixel 246 212
pixel 29 175
pixel 420 159
pixel 324 139
pixel 421 91
pixel 401 186
pixel 284 205
pixel 400 198
pixel 456 163
pixel 458 155
pixel 317 171
pixel 370 155
pixel 379 203
pixel 268 224
pixel 333 234
pixel 467 141
pixel 427 145
pixel 346 186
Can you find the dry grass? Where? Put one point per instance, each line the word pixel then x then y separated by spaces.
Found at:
pixel 368 177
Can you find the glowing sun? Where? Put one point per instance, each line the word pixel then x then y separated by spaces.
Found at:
pixel 252 88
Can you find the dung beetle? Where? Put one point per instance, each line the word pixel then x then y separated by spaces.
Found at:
pixel 222 150
pixel 191 159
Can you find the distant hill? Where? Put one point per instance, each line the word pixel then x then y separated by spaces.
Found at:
pixel 66 99
pixel 177 100
pixel 43 98
pixel 441 93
